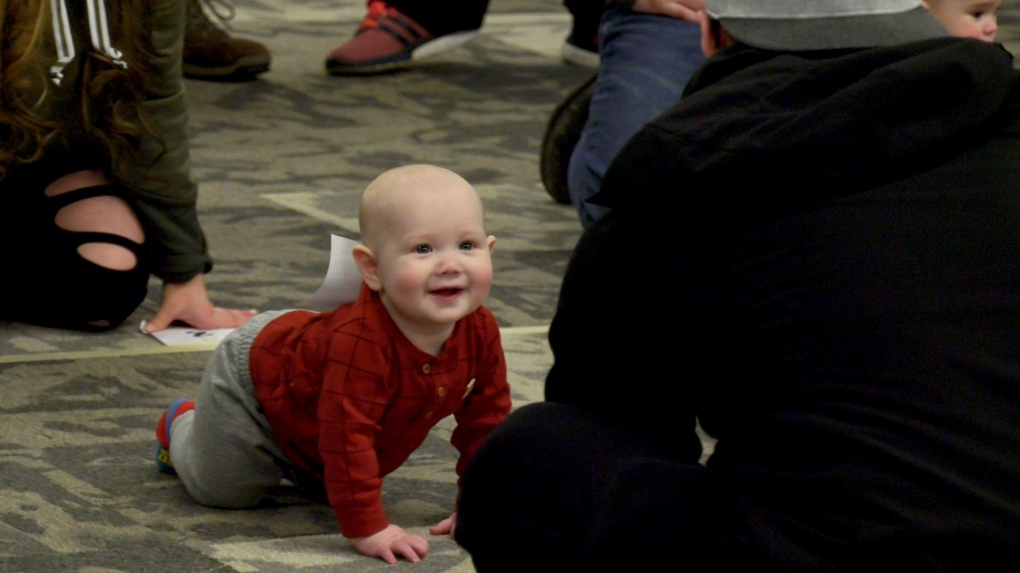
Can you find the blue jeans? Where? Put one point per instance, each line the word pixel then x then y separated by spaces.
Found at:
pixel 646 62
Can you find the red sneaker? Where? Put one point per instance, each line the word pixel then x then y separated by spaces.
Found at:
pixel 388 40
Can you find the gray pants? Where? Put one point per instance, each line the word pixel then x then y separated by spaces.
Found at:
pixel 224 451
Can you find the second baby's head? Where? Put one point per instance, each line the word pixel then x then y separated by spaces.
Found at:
pixel 976 19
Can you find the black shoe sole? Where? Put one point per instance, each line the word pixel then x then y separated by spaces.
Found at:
pixel 235 73
pixel 374 69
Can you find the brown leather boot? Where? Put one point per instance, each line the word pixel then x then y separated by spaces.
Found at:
pixel 211 54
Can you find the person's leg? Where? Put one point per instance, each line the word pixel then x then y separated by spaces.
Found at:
pixel 561 136
pixel 79 245
pixel 555 486
pixel 445 17
pixel 646 63
pixel 396 32
pixel 224 450
pixel 582 46
pixel 97 214
pixel 210 53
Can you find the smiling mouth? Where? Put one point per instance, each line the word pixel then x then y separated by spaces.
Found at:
pixel 446 292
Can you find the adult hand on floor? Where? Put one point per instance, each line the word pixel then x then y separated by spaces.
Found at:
pixel 391 543
pixel 189 302
pixel 679 9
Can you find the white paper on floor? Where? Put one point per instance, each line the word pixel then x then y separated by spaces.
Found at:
pixel 178 335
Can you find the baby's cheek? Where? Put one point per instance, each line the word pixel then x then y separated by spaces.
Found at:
pixel 410 281
pixel 484 277
pixel 407 271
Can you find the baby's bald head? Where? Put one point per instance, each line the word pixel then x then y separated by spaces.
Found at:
pixel 412 186
pixel 425 250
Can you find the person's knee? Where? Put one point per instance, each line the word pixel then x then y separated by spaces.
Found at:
pixel 97 213
pixel 209 484
pixel 222 496
pixel 107 263
pixel 522 433
pixel 102 298
pixel 108 215
pixel 225 497
pixel 220 464
pixel 520 485
pixel 78 294
pixel 77 180
pixel 507 453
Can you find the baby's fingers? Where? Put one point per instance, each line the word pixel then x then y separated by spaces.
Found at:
pixel 409 552
pixel 418 545
pixel 386 555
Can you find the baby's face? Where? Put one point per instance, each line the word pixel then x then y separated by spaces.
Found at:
pixel 434 257
pixel 976 19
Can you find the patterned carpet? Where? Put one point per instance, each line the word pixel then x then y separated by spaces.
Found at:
pixel 281 163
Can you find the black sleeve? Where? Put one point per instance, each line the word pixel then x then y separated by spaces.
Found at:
pixel 163 192
pixel 622 4
pixel 621 337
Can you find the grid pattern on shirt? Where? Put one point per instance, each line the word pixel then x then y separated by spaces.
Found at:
pixel 350 398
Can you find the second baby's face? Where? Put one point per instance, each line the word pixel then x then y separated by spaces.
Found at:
pixel 435 258
pixel 976 19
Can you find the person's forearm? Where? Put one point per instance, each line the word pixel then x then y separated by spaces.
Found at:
pixel 679 9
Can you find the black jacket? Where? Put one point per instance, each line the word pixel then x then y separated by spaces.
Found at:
pixel 820 255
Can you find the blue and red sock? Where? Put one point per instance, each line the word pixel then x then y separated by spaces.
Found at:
pixel 176 409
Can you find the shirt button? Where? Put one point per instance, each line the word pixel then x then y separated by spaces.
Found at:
pixel 441 391
pixel 426 368
pixel 429 415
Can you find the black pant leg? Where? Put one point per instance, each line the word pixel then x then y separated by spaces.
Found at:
pixel 557 486
pixel 49 283
pixel 441 18
pixel 586 13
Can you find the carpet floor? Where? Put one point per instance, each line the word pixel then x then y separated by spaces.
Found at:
pixel 281 163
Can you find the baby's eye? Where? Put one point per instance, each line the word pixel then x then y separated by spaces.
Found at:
pixel 467 246
pixel 423 249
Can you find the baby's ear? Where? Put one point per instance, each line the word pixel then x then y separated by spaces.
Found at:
pixel 490 241
pixel 367 266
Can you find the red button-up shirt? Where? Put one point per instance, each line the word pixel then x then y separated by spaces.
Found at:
pixel 349 398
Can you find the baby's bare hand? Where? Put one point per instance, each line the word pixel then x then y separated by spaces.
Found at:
pixel 391 543
pixel 446 526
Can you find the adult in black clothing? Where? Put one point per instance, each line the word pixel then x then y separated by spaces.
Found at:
pixel 815 253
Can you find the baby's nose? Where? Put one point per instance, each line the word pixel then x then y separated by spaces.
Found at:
pixel 448 264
